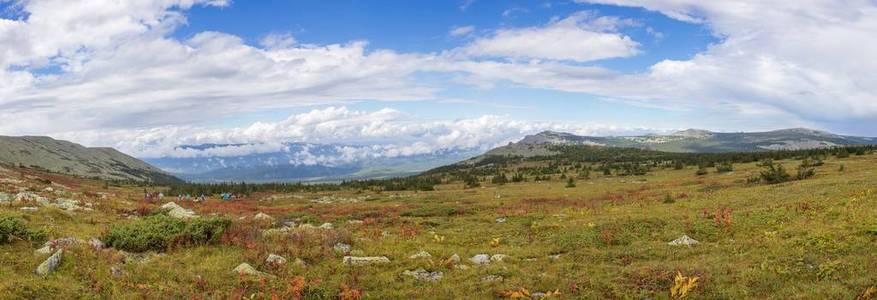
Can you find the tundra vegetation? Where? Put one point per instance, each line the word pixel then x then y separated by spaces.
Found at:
pixel 590 223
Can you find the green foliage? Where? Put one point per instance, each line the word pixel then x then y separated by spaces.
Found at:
pixel 570 183
pixel 773 173
pixel 160 232
pixel 14 228
pixel 499 179
pixel 805 172
pixel 669 199
pixel 701 171
pixel 724 167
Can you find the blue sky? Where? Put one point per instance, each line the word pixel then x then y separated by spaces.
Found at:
pixel 145 76
pixel 423 26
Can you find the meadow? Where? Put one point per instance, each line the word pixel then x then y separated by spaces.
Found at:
pixel 601 237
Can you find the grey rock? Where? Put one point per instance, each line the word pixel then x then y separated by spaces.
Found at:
pixel 96 244
pixel 683 241
pixel 247 269
pixel 498 257
pixel 263 217
pixel 359 261
pixel 275 259
pixel 421 254
pixel 327 226
pixel 29 209
pixel 50 264
pixel 500 220
pixel 342 248
pixel 424 275
pixel 480 259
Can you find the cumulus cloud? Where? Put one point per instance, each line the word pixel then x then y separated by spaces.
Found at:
pixel 580 37
pixel 357 134
pixel 111 73
pixel 812 59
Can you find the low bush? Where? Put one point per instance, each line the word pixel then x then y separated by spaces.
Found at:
pixel 160 232
pixel 773 173
pixel 14 228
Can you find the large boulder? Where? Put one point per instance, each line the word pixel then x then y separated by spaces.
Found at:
pixel 50 264
pixel 263 217
pixel 177 211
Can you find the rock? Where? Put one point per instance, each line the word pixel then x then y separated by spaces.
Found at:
pixel 498 257
pixel 66 204
pixel 355 222
pixel 424 275
pixel 421 254
pixel 177 211
pixel 50 264
pixel 29 208
pixel 461 267
pixel 455 259
pixel 683 241
pixel 247 269
pixel 500 220
pixel 359 261
pixel 480 259
pixel 342 248
pixel 263 217
pixel 96 244
pixel 289 224
pixel 554 257
pixel 492 278
pixel 538 295
pixel 327 226
pixel 54 245
pixel 275 259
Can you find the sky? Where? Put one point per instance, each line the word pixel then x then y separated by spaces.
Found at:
pixel 146 76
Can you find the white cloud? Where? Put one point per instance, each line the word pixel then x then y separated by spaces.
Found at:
pixel 382 133
pixel 461 30
pixel 812 59
pixel 580 37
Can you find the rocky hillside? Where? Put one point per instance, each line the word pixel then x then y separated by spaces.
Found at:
pixel 691 140
pixel 74 159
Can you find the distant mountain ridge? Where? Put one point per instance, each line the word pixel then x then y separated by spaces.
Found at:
pixel 690 140
pixel 300 162
pixel 73 159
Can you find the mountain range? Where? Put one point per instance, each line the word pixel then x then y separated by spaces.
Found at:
pixel 70 158
pixel 334 162
pixel 691 141
pixel 301 162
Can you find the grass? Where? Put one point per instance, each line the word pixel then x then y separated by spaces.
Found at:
pixel 604 238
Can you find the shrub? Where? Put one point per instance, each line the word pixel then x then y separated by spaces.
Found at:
pixel 570 183
pixel 160 232
pixel 701 171
pixel 773 173
pixel 805 172
pixel 14 228
pixel 724 167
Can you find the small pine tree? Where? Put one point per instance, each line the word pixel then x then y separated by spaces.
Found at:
pixel 701 171
pixel 773 173
pixel 570 183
